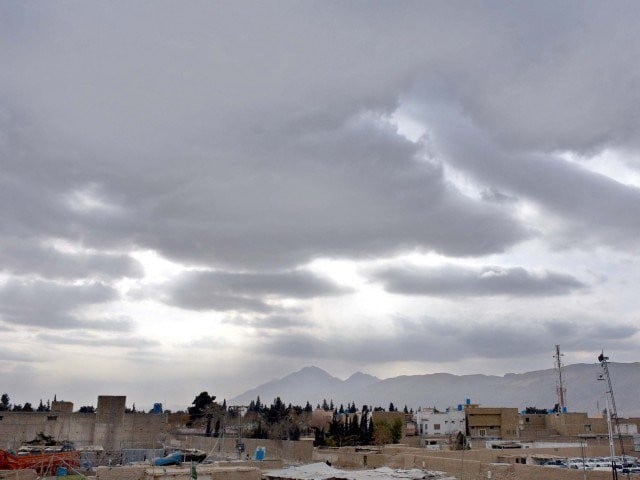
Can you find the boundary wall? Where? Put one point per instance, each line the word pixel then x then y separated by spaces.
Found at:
pixel 479 464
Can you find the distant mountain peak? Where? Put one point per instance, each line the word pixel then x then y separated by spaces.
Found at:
pixel 536 388
pixel 359 374
pixel 313 368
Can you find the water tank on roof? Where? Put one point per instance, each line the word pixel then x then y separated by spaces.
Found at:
pixel 468 401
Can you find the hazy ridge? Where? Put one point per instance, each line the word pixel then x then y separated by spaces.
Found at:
pixel 536 388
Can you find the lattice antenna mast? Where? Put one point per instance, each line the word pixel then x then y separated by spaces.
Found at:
pixel 614 411
pixel 560 389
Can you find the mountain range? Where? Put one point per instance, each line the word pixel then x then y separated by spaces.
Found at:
pixel 584 393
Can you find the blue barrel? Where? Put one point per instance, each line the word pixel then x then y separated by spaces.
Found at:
pixel 61 472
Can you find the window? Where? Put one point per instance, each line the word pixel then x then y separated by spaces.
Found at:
pixel 52 417
pixel 482 432
pixel 436 426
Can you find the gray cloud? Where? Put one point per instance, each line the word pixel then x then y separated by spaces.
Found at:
pixel 9 354
pixel 49 304
pixel 81 339
pixel 243 291
pixel 317 179
pixel 153 126
pixel 493 195
pixel 592 207
pixel 283 321
pixel 24 257
pixel 441 341
pixel 452 280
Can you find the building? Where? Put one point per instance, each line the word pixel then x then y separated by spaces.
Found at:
pixel 492 422
pixel 431 422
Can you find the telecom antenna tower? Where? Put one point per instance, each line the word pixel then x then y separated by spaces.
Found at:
pixel 560 389
pixel 614 411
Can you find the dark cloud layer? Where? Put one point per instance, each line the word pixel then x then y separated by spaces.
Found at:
pixel 440 341
pixel 254 141
pixel 83 339
pixel 239 291
pixel 453 281
pixel 52 305
pixel 23 257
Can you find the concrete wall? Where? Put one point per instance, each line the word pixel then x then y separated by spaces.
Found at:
pixel 205 472
pixel 575 424
pixel 19 427
pixel 18 474
pixel 61 406
pixel 469 465
pixel 135 430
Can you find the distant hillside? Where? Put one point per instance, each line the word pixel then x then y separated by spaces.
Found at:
pixel 309 384
pixel 532 389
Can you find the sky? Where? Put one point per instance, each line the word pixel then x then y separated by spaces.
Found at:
pixel 204 196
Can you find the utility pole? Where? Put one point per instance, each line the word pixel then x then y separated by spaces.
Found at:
pixel 560 389
pixel 613 415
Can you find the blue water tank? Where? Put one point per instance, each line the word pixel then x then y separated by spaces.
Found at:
pixel 260 451
pixel 61 472
pixel 459 407
pixel 157 408
pixel 468 401
pixel 564 409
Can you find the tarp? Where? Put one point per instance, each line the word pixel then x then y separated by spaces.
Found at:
pixel 322 471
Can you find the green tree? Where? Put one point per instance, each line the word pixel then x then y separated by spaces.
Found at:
pixel 461 442
pixel 396 430
pixel 5 402
pixel 382 432
pixel 204 406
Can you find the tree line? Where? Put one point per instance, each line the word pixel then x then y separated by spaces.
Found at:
pixel 348 426
pixel 7 406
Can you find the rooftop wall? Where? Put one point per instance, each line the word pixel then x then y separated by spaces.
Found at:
pixel 127 431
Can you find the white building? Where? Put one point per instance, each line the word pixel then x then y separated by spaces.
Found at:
pixel 431 423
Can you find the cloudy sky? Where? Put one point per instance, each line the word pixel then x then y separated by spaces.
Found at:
pixel 209 195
